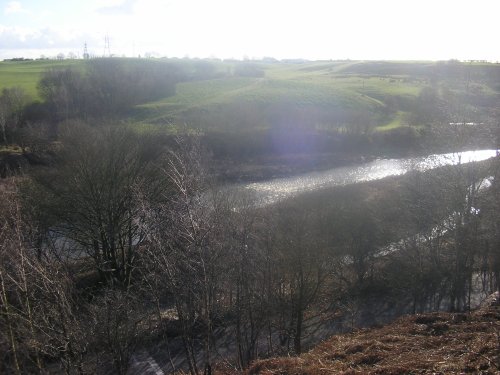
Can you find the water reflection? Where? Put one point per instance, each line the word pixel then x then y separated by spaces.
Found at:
pixel 273 190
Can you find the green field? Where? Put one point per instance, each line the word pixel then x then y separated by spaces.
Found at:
pixel 309 93
pixel 313 95
pixel 25 74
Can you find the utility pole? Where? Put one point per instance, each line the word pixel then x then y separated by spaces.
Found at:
pixel 107 49
pixel 86 55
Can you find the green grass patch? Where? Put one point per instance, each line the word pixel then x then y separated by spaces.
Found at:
pixel 26 74
pixel 167 129
pixel 395 123
pixel 264 96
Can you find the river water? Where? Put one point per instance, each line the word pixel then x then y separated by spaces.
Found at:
pixel 271 191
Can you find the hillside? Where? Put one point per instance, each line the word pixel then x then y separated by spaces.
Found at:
pixel 326 95
pixel 321 95
pixel 437 343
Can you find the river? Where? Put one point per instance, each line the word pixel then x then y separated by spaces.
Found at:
pixel 271 191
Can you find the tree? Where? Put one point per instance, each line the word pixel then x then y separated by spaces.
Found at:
pixel 39 309
pixel 491 223
pixel 64 92
pixel 48 322
pixel 91 195
pixel 117 315
pixel 419 261
pixel 251 281
pixel 104 88
pixel 302 270
pixel 444 237
pixel 12 102
pixel 427 108
pixel 463 194
pixel 186 250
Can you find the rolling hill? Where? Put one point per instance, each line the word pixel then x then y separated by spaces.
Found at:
pixel 323 95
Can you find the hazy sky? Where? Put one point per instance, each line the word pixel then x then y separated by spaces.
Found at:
pixel 312 29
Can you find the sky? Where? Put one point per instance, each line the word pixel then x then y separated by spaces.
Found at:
pixel 309 29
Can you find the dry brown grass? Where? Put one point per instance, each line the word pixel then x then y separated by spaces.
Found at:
pixel 438 343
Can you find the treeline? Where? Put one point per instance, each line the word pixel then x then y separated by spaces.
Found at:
pixel 105 87
pixel 99 89
pixel 127 243
pixel 452 71
pixel 286 141
pixel 422 242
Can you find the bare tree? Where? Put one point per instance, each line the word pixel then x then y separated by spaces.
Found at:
pixel 12 101
pixel 442 248
pixel 39 309
pixel 186 248
pixel 250 283
pixel 117 316
pixel 90 196
pixel 302 260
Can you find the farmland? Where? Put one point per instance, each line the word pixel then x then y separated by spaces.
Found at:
pixel 26 74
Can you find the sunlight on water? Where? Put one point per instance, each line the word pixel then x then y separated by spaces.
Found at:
pixel 273 190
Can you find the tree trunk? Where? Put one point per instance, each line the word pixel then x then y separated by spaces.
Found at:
pixel 297 340
pixel 9 324
pixel 4 133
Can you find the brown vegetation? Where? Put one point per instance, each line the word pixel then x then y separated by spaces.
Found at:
pixel 437 343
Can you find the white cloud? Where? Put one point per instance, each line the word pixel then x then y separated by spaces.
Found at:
pixel 13 7
pixel 14 38
pixel 391 29
pixel 122 7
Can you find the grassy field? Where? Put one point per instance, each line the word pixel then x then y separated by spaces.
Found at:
pixel 312 95
pixel 315 95
pixel 25 74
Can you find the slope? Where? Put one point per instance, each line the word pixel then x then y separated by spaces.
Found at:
pixel 441 343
